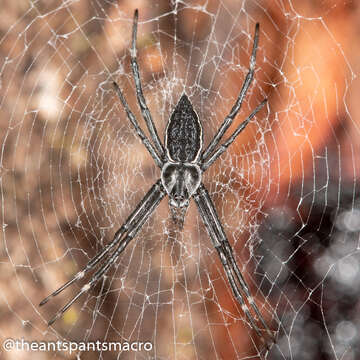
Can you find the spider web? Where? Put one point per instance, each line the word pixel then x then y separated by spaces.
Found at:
pixel 287 191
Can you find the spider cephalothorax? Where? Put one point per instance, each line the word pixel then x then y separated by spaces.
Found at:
pixel 182 163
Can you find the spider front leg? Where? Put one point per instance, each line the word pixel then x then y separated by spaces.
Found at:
pixel 222 245
pixel 121 239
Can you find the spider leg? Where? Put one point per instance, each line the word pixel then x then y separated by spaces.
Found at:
pixel 90 265
pixel 122 237
pixel 150 148
pixel 228 253
pixel 96 277
pixel 139 93
pixel 222 245
pixel 235 109
pixel 129 223
pixel 222 148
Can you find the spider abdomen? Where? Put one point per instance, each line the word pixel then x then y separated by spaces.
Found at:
pixel 184 133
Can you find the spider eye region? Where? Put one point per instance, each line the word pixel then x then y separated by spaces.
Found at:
pixel 184 133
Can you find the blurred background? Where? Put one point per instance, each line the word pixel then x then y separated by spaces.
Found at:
pixel 287 191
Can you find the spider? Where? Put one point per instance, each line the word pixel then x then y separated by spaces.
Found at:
pixel 182 163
